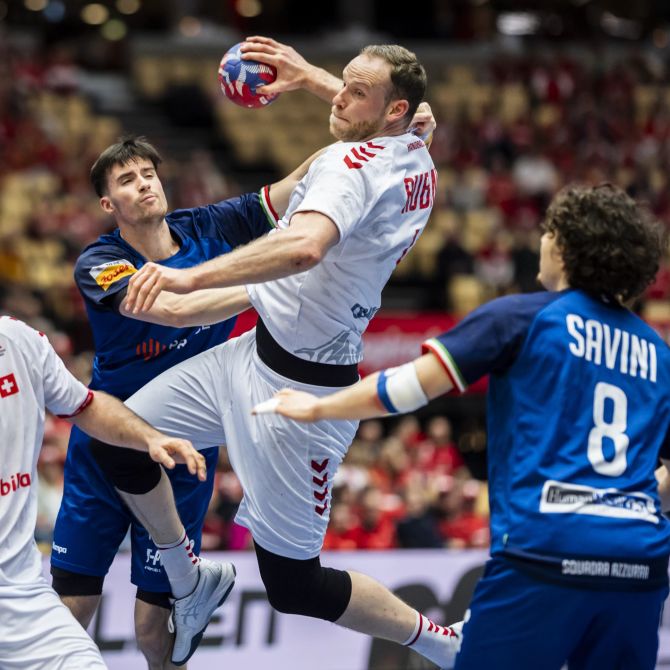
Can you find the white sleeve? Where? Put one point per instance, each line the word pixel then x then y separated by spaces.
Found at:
pixel 64 395
pixel 336 191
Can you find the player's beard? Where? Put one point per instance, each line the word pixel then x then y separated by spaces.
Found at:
pixel 355 132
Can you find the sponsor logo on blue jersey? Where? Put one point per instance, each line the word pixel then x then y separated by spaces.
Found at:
pixel 563 498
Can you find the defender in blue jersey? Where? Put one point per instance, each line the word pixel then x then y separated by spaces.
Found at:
pixel 93 520
pixel 578 416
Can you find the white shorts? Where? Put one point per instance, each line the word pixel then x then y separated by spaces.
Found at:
pixel 38 632
pixel 286 468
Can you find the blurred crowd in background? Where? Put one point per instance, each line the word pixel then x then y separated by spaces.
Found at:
pixel 512 130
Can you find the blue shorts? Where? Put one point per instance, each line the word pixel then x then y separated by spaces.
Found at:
pixel 93 520
pixel 518 622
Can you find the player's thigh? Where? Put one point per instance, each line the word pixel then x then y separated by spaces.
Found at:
pixel 517 623
pixel 185 401
pixel 192 498
pixel 286 468
pixel 92 521
pixel 623 634
pixel 40 633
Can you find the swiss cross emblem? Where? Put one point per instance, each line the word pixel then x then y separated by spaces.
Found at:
pixel 8 386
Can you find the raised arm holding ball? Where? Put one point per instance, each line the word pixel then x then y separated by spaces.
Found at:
pixel 316 283
pixel 277 68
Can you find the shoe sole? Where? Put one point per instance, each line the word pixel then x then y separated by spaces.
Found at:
pixel 195 640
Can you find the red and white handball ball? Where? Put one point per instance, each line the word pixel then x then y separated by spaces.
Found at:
pixel 241 80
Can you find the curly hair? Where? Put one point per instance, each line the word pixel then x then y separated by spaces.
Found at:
pixel 609 244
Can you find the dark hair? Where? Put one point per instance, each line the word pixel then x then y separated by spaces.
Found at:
pixel 128 148
pixel 408 78
pixel 609 244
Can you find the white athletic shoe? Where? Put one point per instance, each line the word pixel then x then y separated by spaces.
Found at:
pixel 191 614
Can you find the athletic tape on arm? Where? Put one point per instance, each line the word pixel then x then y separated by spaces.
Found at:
pixel 399 389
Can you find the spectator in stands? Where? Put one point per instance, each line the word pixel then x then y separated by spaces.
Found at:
pixel 376 527
pixel 438 453
pixel 340 533
pixel 459 525
pixel 418 528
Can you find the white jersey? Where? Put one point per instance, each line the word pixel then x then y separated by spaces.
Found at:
pixel 379 194
pixel 32 376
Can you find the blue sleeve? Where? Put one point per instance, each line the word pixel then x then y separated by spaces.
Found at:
pixel 102 274
pixel 489 339
pixel 238 221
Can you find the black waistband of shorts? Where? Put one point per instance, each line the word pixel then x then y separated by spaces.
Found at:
pixel 622 574
pixel 299 369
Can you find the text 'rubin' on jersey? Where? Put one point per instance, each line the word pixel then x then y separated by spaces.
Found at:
pixel 615 348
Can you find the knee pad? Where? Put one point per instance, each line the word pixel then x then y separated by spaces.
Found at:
pixel 129 470
pixel 66 583
pixel 304 587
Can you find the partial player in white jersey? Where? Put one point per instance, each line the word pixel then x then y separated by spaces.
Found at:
pixel 36 630
pixel 376 196
pixel 359 209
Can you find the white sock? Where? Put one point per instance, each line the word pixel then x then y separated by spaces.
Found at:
pixel 181 566
pixel 438 644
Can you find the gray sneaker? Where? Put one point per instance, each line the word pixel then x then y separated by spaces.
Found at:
pixel 191 614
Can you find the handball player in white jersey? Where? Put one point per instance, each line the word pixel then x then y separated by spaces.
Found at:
pixel 316 283
pixel 37 631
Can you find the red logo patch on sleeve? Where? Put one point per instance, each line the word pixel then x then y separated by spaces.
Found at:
pixel 8 386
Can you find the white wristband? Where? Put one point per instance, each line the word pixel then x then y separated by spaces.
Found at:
pixel 399 389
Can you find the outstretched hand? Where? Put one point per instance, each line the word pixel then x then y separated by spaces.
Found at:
pixel 292 68
pixel 296 405
pixel 423 123
pixel 168 451
pixel 146 284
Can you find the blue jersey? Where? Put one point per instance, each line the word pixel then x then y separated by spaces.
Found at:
pixel 129 352
pixel 92 520
pixel 578 414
